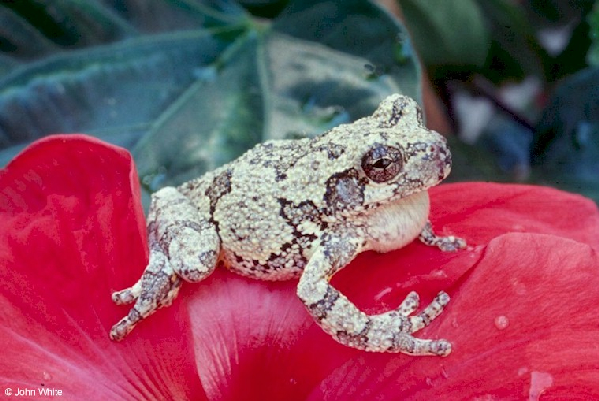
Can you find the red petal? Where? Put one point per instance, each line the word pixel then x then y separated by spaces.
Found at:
pixel 521 318
pixel 484 211
pixel 72 232
pixel 246 335
pixel 523 322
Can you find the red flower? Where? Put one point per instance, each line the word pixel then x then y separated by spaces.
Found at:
pixel 523 318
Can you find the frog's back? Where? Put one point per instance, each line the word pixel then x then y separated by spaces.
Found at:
pixel 264 232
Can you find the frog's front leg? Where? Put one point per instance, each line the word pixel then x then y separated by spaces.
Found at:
pixel 183 245
pixel 446 244
pixel 386 332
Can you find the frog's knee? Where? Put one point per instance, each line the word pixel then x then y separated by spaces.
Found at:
pixel 195 265
pixel 193 250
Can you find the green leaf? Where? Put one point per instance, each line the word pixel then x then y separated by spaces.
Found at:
pixel 105 91
pixel 20 40
pixel 447 33
pixel 187 100
pixel 87 22
pixel 217 118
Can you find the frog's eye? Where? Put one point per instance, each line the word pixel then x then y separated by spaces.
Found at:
pixel 382 163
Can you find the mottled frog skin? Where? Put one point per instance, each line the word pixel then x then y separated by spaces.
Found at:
pixel 304 209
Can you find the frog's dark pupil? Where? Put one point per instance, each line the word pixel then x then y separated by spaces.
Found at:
pixel 381 163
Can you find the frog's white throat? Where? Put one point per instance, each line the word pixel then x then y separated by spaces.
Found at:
pixel 396 224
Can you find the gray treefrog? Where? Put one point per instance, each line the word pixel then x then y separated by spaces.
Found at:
pixel 304 209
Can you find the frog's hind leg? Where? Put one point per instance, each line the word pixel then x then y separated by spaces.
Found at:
pixel 183 246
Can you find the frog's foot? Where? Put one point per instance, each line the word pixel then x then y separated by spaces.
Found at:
pixel 446 244
pixel 158 286
pixel 431 312
pixel 183 247
pixel 384 326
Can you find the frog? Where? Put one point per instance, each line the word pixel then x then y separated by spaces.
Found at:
pixel 304 209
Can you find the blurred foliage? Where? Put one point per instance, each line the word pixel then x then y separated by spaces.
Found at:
pixel 497 38
pixel 566 141
pixel 188 85
pixel 434 28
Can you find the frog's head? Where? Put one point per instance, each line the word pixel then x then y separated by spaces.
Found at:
pixel 401 151
pixel 392 156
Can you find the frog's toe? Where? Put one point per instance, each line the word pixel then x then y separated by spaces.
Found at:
pixel 410 304
pixel 125 296
pixel 125 325
pixel 452 244
pixel 128 295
